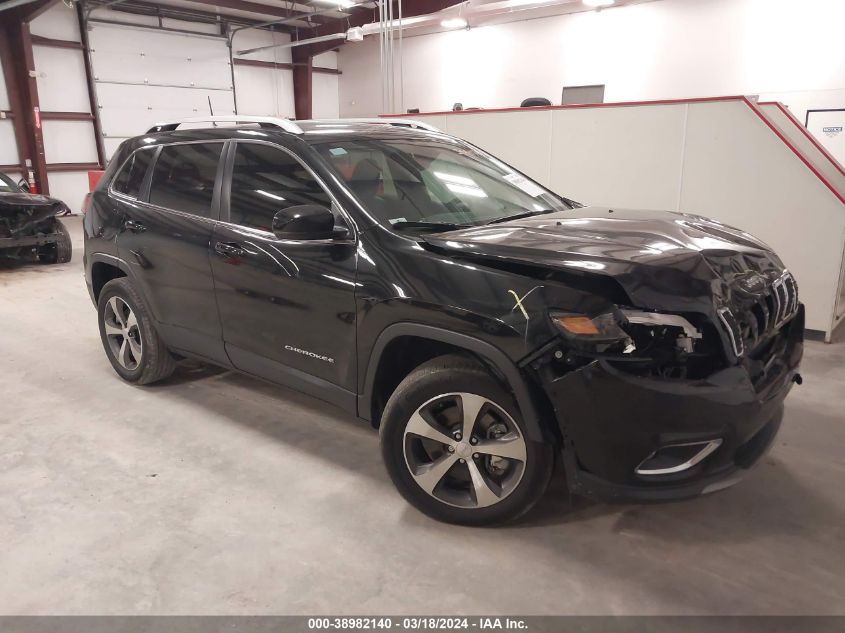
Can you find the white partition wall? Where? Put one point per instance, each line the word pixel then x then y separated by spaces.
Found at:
pixel 720 157
pixel 809 146
pixel 820 158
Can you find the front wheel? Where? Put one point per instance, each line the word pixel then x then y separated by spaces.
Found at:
pixel 60 251
pixel 454 444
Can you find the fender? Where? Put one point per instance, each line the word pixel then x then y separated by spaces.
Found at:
pixel 111 260
pixel 493 355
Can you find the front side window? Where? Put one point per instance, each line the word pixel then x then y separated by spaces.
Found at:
pixel 131 176
pixel 434 181
pixel 183 177
pixel 266 180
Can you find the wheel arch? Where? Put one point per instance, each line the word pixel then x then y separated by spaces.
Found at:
pixel 104 268
pixel 487 353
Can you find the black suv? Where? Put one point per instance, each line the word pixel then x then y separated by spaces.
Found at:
pixel 485 325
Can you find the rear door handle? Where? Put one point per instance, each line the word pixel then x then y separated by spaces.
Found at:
pixel 229 249
pixel 135 227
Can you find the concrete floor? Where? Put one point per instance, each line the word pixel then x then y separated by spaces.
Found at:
pixel 217 494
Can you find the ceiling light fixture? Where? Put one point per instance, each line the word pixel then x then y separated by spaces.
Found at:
pixel 597 4
pixel 340 4
pixel 524 3
pixel 453 23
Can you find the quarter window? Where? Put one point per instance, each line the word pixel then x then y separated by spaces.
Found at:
pixel 183 177
pixel 266 180
pixel 131 177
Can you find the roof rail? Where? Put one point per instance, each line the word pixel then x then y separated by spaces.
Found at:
pixel 262 121
pixel 413 123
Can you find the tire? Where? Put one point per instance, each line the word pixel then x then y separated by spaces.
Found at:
pixel 477 487
pixel 60 251
pixel 148 359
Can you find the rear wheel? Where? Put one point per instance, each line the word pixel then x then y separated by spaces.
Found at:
pixel 60 251
pixel 455 446
pixel 132 345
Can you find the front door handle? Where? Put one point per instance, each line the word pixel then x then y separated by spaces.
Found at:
pixel 229 249
pixel 135 227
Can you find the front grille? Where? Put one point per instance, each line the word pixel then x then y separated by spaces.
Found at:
pixel 756 322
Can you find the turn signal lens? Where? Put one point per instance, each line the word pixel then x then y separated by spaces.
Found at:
pixel 579 325
pixel 596 333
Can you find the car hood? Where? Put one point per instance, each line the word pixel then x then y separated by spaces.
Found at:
pixel 20 199
pixel 23 212
pixel 662 260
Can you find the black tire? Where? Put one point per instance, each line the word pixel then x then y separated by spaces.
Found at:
pixel 60 251
pixel 455 374
pixel 155 362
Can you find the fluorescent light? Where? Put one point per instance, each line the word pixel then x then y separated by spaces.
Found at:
pixel 268 194
pixel 475 192
pixel 453 23
pixel 460 180
pixel 598 3
pixel 342 4
pixel 522 3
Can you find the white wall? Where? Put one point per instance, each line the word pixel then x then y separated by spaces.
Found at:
pixel 264 91
pixel 325 94
pixel 269 91
pixel 656 50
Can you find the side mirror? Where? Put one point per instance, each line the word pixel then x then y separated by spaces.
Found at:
pixel 304 222
pixel 23 185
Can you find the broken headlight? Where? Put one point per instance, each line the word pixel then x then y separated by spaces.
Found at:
pixel 653 344
pixel 600 333
pixel 627 330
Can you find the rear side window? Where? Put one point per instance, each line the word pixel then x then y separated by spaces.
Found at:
pixel 131 177
pixel 266 180
pixel 183 177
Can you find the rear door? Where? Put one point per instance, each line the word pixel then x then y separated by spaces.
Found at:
pixel 287 306
pixel 165 241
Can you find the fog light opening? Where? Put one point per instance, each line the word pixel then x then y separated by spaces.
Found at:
pixel 676 458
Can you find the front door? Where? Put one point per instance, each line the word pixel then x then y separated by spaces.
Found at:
pixel 165 241
pixel 287 306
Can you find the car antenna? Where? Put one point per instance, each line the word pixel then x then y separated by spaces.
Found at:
pixel 211 110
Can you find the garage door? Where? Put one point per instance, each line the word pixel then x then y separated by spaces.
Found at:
pixel 144 77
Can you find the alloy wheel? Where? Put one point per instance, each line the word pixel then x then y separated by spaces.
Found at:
pixel 123 334
pixel 464 450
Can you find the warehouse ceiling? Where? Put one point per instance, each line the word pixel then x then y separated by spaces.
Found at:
pixel 335 15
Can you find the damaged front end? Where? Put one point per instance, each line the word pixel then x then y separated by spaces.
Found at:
pixel 674 341
pixel 656 406
pixel 28 222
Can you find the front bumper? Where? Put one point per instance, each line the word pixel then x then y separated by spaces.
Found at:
pixel 612 421
pixel 28 240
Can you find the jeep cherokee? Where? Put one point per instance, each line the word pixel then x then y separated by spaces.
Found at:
pixel 484 324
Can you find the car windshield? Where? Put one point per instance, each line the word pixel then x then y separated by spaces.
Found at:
pixel 435 183
pixel 7 185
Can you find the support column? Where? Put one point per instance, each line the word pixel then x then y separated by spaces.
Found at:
pixel 29 120
pixel 302 82
pixel 92 90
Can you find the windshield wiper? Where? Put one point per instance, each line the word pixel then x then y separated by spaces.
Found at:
pixel 433 226
pixel 519 216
